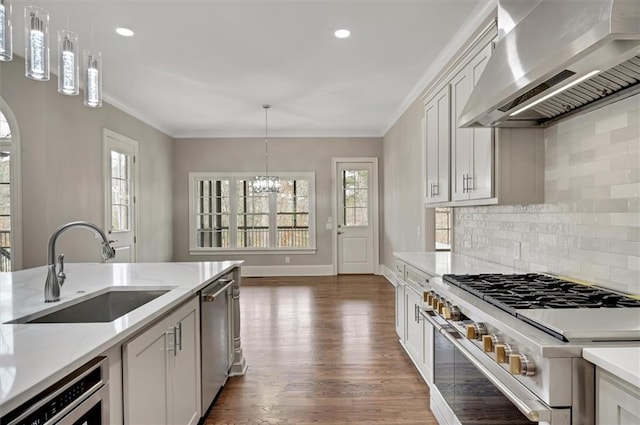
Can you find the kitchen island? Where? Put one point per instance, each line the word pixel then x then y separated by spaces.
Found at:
pixel 33 356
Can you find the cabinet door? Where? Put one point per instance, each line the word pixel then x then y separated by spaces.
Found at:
pixel 617 403
pixel 147 376
pixel 461 138
pixel 438 133
pixel 481 172
pixel 414 332
pixel 427 364
pixel 400 316
pixel 185 383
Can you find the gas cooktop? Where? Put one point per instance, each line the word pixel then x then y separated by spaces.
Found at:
pixel 557 306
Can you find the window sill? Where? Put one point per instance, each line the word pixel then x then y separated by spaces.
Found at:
pixel 270 251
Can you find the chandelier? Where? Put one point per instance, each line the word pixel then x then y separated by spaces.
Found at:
pixel 266 183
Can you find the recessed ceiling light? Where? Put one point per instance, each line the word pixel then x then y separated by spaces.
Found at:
pixel 342 33
pixel 125 32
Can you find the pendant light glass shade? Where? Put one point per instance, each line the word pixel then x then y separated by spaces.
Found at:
pixel 92 79
pixel 36 41
pixel 68 63
pixel 6 40
pixel 266 183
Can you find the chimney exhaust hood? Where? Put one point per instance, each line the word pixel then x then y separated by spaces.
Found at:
pixel 559 57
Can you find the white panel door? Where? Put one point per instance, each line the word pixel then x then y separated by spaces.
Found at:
pixel 355 217
pixel 186 365
pixel 119 190
pixel 146 376
pixel 461 138
pixel 481 183
pixel 438 132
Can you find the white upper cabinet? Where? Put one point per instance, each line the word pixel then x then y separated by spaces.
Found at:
pixel 438 133
pixel 472 148
pixel 476 166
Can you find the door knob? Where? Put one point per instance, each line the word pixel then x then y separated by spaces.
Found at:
pixel 340 233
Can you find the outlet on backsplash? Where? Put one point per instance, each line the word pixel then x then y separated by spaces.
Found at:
pixel 286 260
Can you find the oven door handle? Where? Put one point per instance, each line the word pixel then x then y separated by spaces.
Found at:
pixel 532 409
pixel 207 298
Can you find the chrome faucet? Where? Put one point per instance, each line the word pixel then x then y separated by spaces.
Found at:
pixel 55 278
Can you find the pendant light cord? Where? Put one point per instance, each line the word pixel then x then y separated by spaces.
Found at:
pixel 266 139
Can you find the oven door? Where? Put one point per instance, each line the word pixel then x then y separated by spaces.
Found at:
pixel 474 393
pixel 92 411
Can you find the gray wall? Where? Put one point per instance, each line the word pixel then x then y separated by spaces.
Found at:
pixel 403 200
pixel 285 154
pixel 62 169
pixel 589 225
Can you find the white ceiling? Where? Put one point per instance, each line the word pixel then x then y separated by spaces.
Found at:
pixel 204 68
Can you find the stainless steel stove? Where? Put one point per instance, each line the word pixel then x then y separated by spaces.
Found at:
pixel 517 294
pixel 520 336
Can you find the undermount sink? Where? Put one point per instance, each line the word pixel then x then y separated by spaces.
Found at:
pixel 105 307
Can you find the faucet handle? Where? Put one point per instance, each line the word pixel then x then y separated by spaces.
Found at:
pixel 61 275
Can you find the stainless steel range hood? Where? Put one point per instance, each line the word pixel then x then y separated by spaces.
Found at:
pixel 593 46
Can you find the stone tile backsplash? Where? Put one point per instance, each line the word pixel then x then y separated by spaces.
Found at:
pixel 589 225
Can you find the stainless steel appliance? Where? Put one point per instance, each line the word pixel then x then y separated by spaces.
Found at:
pixel 589 48
pixel 508 348
pixel 215 339
pixel 81 398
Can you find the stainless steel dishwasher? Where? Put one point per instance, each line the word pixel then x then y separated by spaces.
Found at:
pixel 215 338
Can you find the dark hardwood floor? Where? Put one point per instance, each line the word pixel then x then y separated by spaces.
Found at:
pixel 322 350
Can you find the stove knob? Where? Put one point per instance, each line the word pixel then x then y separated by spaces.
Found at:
pixel 441 306
pixel 487 343
pixel 434 302
pixel 520 364
pixel 481 330
pixel 495 340
pixel 455 313
pixel 428 296
pixel 471 331
pixel 446 311
pixel 503 352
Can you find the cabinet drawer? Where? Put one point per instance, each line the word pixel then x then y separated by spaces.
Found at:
pixel 416 277
pixel 400 269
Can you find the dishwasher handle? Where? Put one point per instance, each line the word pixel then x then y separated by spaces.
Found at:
pixel 207 298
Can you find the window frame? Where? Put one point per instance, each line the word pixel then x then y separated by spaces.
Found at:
pixel 449 229
pixel 194 249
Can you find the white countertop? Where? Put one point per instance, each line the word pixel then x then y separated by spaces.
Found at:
pixel 623 362
pixel 33 356
pixel 440 263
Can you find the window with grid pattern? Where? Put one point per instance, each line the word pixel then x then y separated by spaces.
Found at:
pixel 443 229
pixel 226 213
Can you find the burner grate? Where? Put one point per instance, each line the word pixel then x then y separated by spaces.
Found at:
pixel 512 292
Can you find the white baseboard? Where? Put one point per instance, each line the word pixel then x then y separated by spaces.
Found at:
pixel 260 271
pixel 388 273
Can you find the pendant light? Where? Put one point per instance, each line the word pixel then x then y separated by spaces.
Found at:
pixel 68 63
pixel 93 79
pixel 6 40
pixel 36 30
pixel 266 183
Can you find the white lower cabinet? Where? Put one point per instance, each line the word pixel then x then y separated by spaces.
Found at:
pixel 414 332
pixel 427 359
pixel 400 302
pixel 161 370
pixel 400 316
pixel 617 402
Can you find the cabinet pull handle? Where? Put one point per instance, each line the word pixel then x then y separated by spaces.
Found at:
pixel 436 186
pixel 178 338
pixel 464 183
pixel 470 185
pixel 172 340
